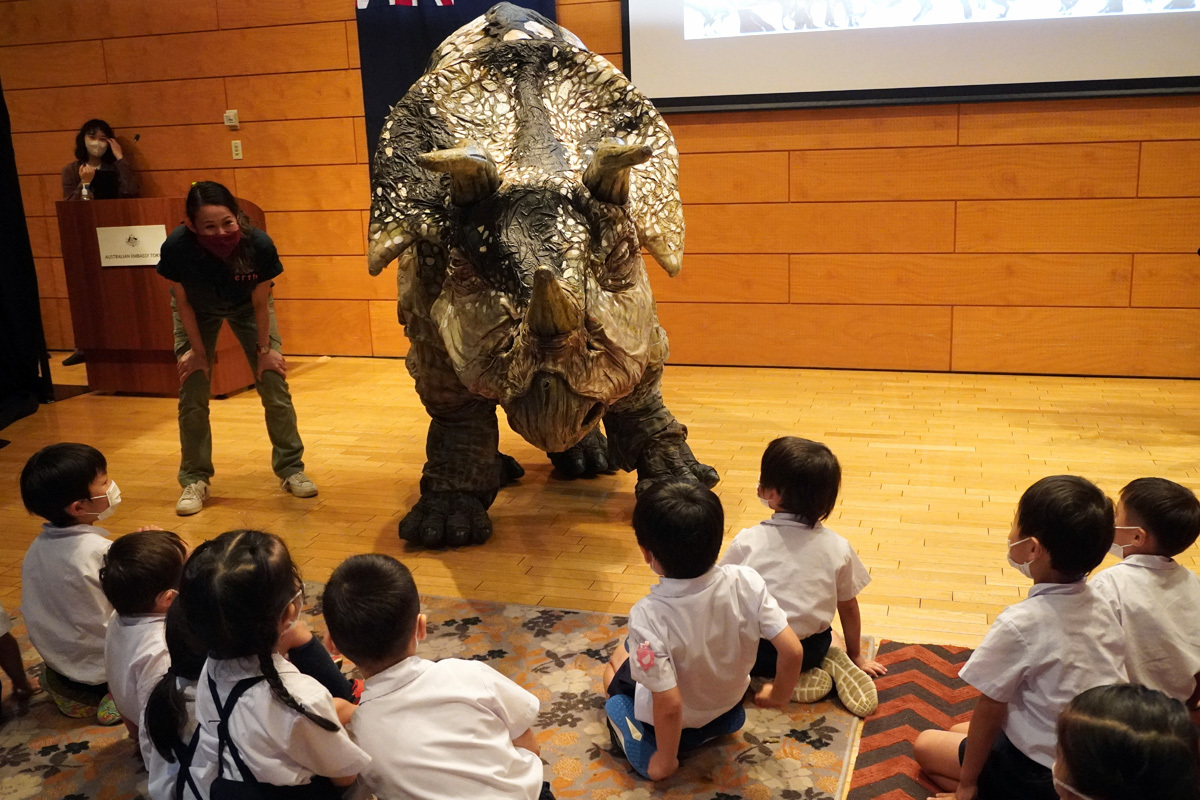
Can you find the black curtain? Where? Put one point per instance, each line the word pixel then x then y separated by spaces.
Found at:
pixel 24 368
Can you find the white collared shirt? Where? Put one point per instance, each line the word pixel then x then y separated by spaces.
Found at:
pixel 1158 603
pixel 278 745
pixel 64 607
pixel 444 731
pixel 1039 653
pixel 135 658
pixel 700 634
pixel 808 570
pixel 163 774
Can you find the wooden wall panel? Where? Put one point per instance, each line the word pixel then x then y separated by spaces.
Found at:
pixel 324 327
pixel 292 48
pixel 261 13
pixel 1077 226
pixel 1170 169
pixel 308 189
pixel 334 278
pixel 821 228
pixel 964 173
pixel 598 25
pixel 815 129
pixel 866 337
pixel 733 278
pixel 304 95
pixel 33 21
pixel 35 66
pixel 387 334
pixel 1081 341
pixel 733 178
pixel 1166 281
pixel 851 235
pixel 121 105
pixel 962 279
pixel 312 233
pixel 1101 120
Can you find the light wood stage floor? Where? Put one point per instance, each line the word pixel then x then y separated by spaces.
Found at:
pixel 933 465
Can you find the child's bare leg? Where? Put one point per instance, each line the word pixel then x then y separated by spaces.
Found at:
pixel 10 662
pixel 937 754
pixel 619 657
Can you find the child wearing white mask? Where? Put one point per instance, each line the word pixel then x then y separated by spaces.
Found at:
pixel 1155 597
pixel 1039 653
pixel 66 612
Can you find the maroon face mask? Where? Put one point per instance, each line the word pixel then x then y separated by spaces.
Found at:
pixel 220 244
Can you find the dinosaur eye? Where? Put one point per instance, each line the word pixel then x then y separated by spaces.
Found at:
pixel 620 266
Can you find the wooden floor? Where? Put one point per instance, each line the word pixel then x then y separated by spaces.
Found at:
pixel 933 466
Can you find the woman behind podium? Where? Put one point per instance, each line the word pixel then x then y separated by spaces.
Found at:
pixel 221 269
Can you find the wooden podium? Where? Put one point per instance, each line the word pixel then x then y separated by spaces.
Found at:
pixel 122 314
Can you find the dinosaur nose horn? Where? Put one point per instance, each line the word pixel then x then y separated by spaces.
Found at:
pixel 552 312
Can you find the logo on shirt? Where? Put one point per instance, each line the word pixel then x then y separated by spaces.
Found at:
pixel 250 277
pixel 645 656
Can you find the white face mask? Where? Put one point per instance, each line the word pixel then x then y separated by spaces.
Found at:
pixel 114 499
pixel 1063 786
pixel 1022 568
pixel 1118 550
pixel 295 621
pixel 96 148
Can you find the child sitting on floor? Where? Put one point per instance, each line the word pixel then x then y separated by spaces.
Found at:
pixel 694 637
pixel 1038 654
pixel 1126 742
pixel 140 577
pixel 811 571
pixel 1156 598
pixel 65 609
pixel 167 733
pixel 446 730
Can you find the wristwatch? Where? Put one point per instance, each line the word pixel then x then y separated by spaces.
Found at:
pixel 263 349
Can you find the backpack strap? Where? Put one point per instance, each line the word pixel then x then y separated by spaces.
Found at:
pixel 224 711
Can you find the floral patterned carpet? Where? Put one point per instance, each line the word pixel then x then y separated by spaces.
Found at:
pixel 802 753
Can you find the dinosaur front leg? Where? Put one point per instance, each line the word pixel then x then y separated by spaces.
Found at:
pixel 644 435
pixel 463 468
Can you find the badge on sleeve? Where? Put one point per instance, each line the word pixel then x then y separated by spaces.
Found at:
pixel 645 656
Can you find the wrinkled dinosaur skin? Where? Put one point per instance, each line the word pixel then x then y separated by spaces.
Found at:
pixel 515 185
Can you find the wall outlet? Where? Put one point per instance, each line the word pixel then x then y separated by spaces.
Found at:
pixel 237 149
pixel 231 119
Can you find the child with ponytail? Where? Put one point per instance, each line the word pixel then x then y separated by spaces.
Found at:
pixel 265 729
pixel 169 723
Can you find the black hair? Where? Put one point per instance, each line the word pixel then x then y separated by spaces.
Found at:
pixel 1165 509
pixel 1071 518
pixel 92 126
pixel 371 606
pixel 235 589
pixel 805 473
pixel 681 524
pixel 140 566
pixel 1127 742
pixel 166 708
pixel 211 193
pixel 58 475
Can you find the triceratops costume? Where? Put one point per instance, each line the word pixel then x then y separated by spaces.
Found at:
pixel 517 182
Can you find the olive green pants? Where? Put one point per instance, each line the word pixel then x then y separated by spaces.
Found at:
pixel 195 433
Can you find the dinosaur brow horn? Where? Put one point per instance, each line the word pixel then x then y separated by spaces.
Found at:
pixel 473 172
pixel 551 311
pixel 607 176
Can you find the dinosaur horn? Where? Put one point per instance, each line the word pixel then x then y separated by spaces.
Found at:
pixel 551 310
pixel 607 176
pixel 473 172
pixel 385 246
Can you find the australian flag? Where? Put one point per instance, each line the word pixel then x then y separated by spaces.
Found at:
pixel 396 39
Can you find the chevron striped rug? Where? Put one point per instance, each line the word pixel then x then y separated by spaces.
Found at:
pixel 922 690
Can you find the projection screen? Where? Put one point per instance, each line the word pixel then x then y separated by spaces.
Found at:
pixel 724 54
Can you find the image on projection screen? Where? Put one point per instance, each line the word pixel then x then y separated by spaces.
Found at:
pixel 709 19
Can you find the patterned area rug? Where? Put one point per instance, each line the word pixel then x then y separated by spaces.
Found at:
pixel 922 690
pixel 803 753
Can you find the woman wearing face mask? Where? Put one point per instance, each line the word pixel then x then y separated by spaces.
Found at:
pixel 221 269
pixel 97 151
pixel 1126 742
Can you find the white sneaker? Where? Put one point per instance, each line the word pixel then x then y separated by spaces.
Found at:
pixel 300 485
pixel 192 499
